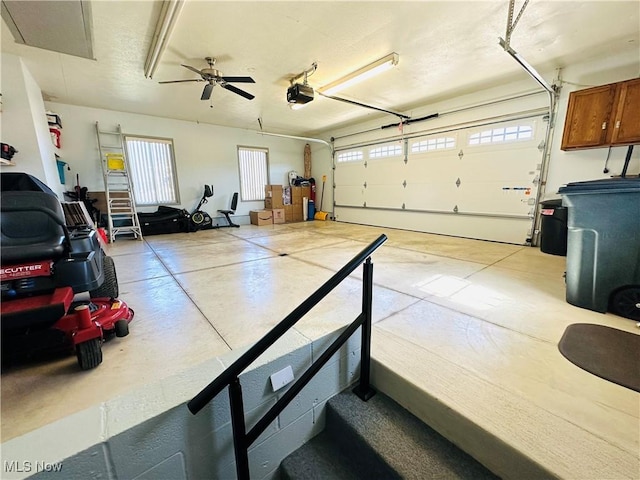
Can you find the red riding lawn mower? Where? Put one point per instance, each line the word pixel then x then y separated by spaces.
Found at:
pixel 46 269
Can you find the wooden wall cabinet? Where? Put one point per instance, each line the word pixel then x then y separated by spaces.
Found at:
pixel 603 116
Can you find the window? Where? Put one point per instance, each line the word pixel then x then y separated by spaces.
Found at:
pixel 433 144
pixel 352 156
pixel 502 134
pixel 254 168
pixel 153 170
pixel 385 151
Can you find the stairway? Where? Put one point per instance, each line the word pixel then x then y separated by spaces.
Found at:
pixel 378 439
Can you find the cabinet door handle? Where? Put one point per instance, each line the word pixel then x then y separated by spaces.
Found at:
pixel 604 125
pixel 618 124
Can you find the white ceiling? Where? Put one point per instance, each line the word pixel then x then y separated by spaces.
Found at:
pixel 446 48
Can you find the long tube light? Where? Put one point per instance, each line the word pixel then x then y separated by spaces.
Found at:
pixel 168 16
pixel 361 74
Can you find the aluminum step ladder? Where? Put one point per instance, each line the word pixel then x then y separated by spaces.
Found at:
pixel 122 217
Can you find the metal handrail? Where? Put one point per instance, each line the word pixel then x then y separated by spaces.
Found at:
pixel 230 377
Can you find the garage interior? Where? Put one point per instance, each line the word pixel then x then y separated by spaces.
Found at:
pixel 449 153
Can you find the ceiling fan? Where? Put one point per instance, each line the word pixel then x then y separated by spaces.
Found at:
pixel 214 77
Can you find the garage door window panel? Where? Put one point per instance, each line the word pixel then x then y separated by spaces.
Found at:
pixel 433 144
pixel 502 134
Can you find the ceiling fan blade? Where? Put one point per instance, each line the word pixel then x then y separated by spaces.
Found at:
pixel 239 79
pixel 192 69
pixel 180 81
pixel 206 93
pixel 242 93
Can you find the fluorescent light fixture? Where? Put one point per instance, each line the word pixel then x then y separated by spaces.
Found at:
pixel 167 20
pixel 358 76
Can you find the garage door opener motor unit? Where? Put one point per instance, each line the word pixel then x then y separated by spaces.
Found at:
pixel 299 93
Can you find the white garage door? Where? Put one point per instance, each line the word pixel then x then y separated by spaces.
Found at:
pixel 476 182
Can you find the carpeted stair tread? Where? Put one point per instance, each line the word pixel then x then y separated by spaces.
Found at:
pixel 319 459
pixel 378 439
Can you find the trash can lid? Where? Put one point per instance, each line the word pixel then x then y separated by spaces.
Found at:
pixel 554 202
pixel 605 185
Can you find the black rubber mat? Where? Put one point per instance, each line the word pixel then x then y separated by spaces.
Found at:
pixel 607 352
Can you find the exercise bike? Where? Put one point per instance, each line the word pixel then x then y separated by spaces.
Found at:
pixel 200 220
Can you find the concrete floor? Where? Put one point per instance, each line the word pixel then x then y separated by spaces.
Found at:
pixel 451 316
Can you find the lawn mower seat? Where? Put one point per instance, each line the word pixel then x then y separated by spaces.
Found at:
pixel 32 227
pixel 231 211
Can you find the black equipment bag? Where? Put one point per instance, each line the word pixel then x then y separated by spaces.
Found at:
pixel 164 220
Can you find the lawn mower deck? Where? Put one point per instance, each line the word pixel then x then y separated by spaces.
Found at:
pixel 53 321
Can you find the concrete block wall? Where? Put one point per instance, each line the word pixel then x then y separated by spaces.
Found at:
pixel 150 434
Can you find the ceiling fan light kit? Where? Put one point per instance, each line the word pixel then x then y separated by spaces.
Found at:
pixel 214 77
pixel 368 71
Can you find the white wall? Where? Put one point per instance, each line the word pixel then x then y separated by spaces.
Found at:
pixel 204 153
pixel 579 165
pixel 24 124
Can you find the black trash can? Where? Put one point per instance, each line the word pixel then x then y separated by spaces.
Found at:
pixel 553 227
pixel 603 249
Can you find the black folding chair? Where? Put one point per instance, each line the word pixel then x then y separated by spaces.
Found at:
pixel 231 211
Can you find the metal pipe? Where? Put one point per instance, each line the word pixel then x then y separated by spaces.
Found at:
pixel 551 91
pixel 530 70
pixel 294 137
pixel 456 110
pixel 240 445
pixel 364 389
pixel 544 167
pixel 411 120
pixel 353 102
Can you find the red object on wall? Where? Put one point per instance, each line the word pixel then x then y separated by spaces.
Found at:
pixel 55 136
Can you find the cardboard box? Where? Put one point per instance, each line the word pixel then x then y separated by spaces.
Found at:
pixel 278 215
pixel 273 197
pixel 297 215
pixel 261 217
pixel 273 203
pixel 288 213
pixel 273 191
pixel 298 193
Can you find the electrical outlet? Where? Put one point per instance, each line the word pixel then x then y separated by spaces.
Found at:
pixel 282 378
